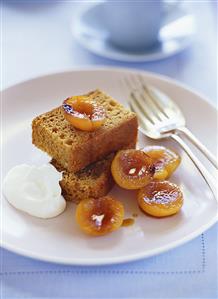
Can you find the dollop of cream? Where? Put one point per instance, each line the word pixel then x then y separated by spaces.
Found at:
pixel 35 190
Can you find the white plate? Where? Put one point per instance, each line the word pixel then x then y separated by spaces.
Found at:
pixel 59 239
pixel 173 36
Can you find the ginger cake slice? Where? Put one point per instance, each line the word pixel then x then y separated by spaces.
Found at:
pixel 94 181
pixel 74 149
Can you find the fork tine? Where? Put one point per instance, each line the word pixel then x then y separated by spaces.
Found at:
pixel 134 96
pixel 129 81
pixel 139 100
pixel 150 100
pixel 133 102
pixel 149 109
pixel 156 101
pixel 143 120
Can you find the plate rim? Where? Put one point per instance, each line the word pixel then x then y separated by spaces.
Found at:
pixel 125 258
pixel 109 261
pixel 106 68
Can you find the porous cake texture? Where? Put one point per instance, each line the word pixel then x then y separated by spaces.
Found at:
pixel 75 149
pixel 93 181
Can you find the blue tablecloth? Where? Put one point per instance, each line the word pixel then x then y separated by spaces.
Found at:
pixel 189 271
pixel 37 39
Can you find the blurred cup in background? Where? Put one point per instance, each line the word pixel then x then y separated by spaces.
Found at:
pixel 133 25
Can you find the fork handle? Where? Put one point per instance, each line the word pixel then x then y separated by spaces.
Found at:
pixel 199 145
pixel 211 182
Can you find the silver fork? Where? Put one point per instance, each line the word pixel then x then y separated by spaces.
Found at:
pixel 158 106
pixel 159 117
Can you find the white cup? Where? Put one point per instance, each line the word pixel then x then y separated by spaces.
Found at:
pixel 133 25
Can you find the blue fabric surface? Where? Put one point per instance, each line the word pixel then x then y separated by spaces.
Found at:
pixel 189 271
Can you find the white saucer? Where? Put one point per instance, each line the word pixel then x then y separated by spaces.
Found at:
pixel 174 36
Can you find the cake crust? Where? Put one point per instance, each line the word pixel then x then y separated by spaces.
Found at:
pixel 75 149
pixel 93 181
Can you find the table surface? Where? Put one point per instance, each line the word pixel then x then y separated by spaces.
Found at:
pixel 36 39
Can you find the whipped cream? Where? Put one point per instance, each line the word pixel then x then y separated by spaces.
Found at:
pixel 35 190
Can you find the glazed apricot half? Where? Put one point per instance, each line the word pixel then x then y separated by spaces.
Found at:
pixel 165 161
pixel 99 216
pixel 132 169
pixel 83 113
pixel 160 198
